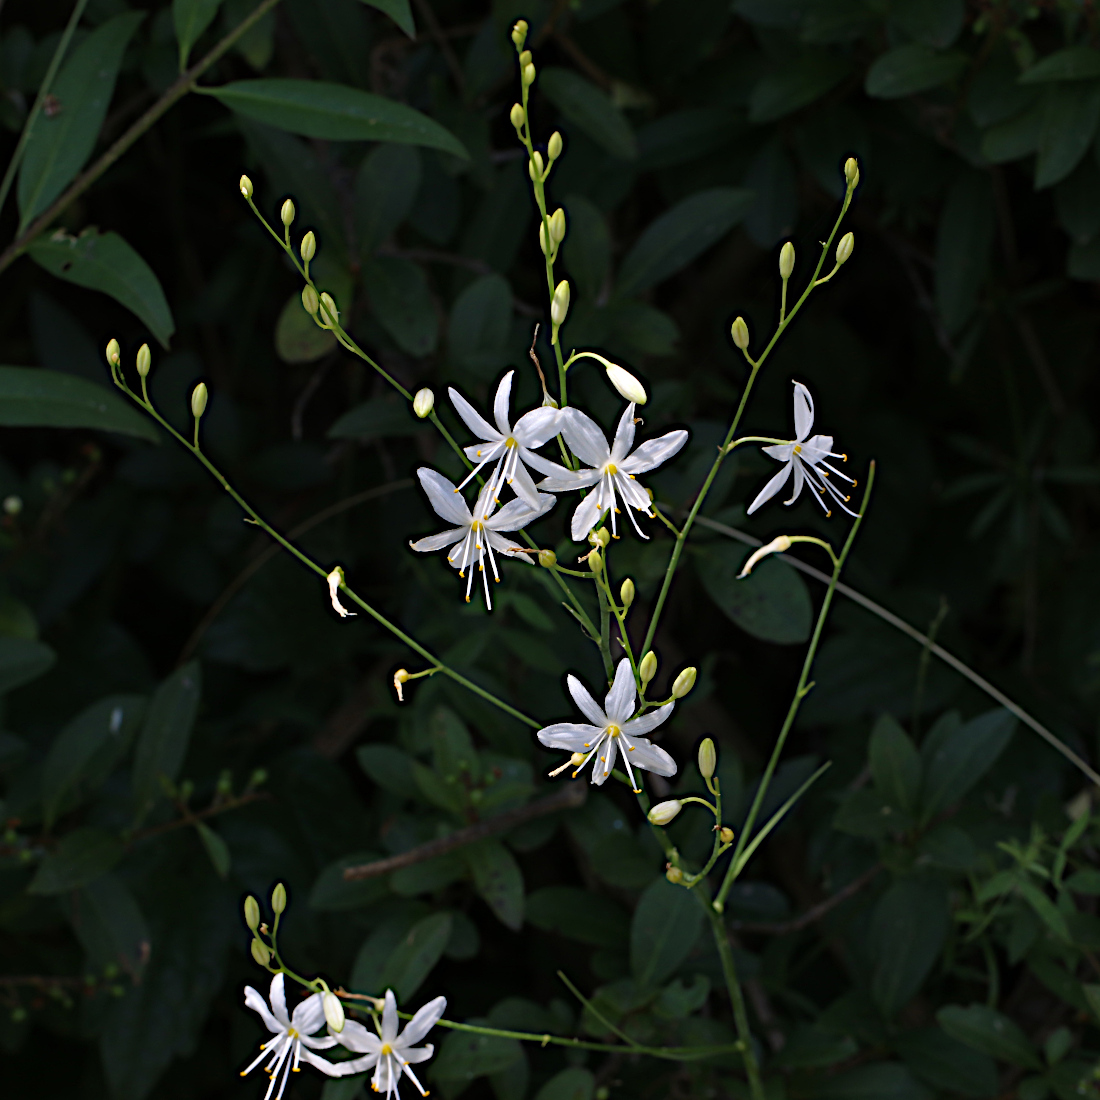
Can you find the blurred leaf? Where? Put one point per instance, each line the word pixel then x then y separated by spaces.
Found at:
pixel 1073 63
pixel 110 925
pixel 32 397
pixel 963 245
pixel 464 1057
pixel 947 1064
pixel 994 94
pixel 590 110
pixel 385 190
pixel 344 1088
pixel 190 18
pixel 80 857
pixel 382 416
pixel 906 70
pixel 427 876
pixel 384 940
pixel 332 893
pixel 1084 882
pixel 665 926
pixel 684 136
pixel 578 915
pixel 60 145
pixel 22 660
pixel 437 792
pixel 1075 200
pixel 771 603
pixel 399 11
pixel 402 303
pixel 989 1031
pixel 586 250
pixel 574 1083
pixel 105 262
pixel 810 1047
pixel 12 750
pixel 166 733
pixel 865 812
pixel 1083 261
pixel 216 849
pixel 771 177
pixel 498 880
pixel 1070 117
pixel 298 337
pixel 257 44
pixel 794 84
pixel 877 1081
pixel 933 22
pixel 1017 137
pixel 389 767
pixel 479 325
pixel 334 112
pixel 895 764
pixel 415 955
pixel 679 235
pixel 678 1001
pixel 948 846
pixel 954 760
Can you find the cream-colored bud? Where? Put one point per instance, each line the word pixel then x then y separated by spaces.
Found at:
pixel 251 913
pixel 553 146
pixel 334 1011
pixel 278 898
pixel 423 402
pixel 777 546
pixel 786 261
pixel 144 360
pixel 648 668
pixel 851 172
pixel 519 33
pixel 516 115
pixel 559 306
pixel 287 213
pixel 199 398
pixel 664 812
pixel 310 302
pixel 547 559
pixel 684 682
pixel 740 333
pixel 114 353
pixel 528 75
pixel 400 678
pixel 246 187
pixel 260 953
pixel 708 758
pixel 626 593
pixel 626 384
pixel 595 561
pixel 725 835
pixel 844 249
pixel 534 166
pixel 525 58
pixel 309 246
pixel 557 226
pixel 674 875
pixel 329 313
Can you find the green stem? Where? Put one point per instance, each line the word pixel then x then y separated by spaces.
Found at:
pixel 605 634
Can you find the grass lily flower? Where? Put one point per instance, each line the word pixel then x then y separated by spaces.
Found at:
pixel 476 534
pixel 805 456
pixel 612 730
pixel 292 1042
pixel 512 448
pixel 613 469
pixel 388 1053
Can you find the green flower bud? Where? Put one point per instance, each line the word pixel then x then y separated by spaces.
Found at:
pixel 199 397
pixel 786 261
pixel 664 812
pixel 334 1012
pixel 525 58
pixel 114 353
pixel 144 360
pixel 246 187
pixel 519 33
pixel 12 505
pixel 309 246
pixel 557 226
pixel 252 913
pixel 844 249
pixel 516 116
pixel 258 778
pixel 310 302
pixel 626 593
pixel 423 402
pixel 278 898
pixel 851 172
pixel 528 75
pixel 260 953
pixel 600 538
pixel 286 214
pixel 329 313
pixel 740 333
pixel 547 558
pixel 684 683
pixel 553 146
pixel 725 835
pixel 534 166
pixel 544 243
pixel 674 875
pixel 559 306
pixel 648 668
pixel 708 758
pixel 595 561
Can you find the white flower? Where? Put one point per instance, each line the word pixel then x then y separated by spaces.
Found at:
pixel 806 457
pixel 510 448
pixel 335 579
pixel 391 1053
pixel 293 1042
pixel 612 729
pixel 613 468
pixel 627 385
pixel 779 545
pixel 476 532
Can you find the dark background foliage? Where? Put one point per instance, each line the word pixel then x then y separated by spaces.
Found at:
pixel 957 348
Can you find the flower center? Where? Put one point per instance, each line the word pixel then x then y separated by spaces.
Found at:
pixel 511 442
pixel 612 469
pixel 613 731
pixel 386 1049
pixel 292 1034
pixel 476 525
pixel 797 449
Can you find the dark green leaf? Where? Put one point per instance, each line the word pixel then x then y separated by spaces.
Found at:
pixel 399 11
pixel 1075 200
pixel 963 245
pixel 385 190
pixel 578 915
pixel 191 18
pixel 1070 117
pixel 478 328
pixel 110 925
pixel 402 303
pixel 59 145
pixel 771 603
pixel 22 660
pixel 298 337
pixel 794 84
pixel 498 880
pixel 679 235
pixel 570 1084
pixel 1084 882
pixel 587 248
pixel 989 1031
pixel 895 764
pixel 866 813
pixel 79 858
pixel 590 110
pixel 414 956
pixel 383 416
pixel 1074 63
pixel 389 767
pixel 949 846
pixel 666 924
pixel 1017 137
pixel 906 70
pixel 335 112
pixel 994 95
pixel 428 876
pixel 380 945
pixel 878 1081
pixel 332 893
pixel 678 1001
pixel 771 177
pixel 945 1063
pixel 465 1056
pixel 166 733
pixel 956 759
pixel 104 261
pixel 216 849
pixel 933 22
pixel 810 1047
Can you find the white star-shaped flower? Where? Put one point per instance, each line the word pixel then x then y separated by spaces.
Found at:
pixel 293 1041
pixel 805 455
pixel 389 1053
pixel 613 468
pixel 511 448
pixel 612 729
pixel 476 534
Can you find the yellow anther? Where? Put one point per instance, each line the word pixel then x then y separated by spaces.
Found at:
pixel 797 449
pixel 612 468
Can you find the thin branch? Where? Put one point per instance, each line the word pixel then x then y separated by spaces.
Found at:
pixel 811 916
pixel 194 817
pixel 569 797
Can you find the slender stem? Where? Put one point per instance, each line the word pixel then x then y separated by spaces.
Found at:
pixel 605 633
pixel 620 618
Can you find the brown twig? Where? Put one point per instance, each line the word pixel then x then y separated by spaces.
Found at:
pixel 811 916
pixel 569 797
pixel 194 817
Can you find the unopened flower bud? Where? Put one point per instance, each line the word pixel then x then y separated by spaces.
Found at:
pixel 740 333
pixel 528 75
pixel 559 306
pixel 684 682
pixel 525 58
pixel 309 246
pixel 516 116
pixel 553 146
pixel 286 214
pixel 199 397
pixel 786 261
pixel 599 538
pixel 334 1012
pixel 519 33
pixel 310 302
pixel 544 240
pixel 557 226
pixel 278 898
pixel 423 402
pixel 851 172
pixel 595 561
pixel 626 384
pixel 329 313
pixel 251 913
pixel 114 353
pixel 725 835
pixel 626 593
pixel 260 953
pixel 664 812
pixel 674 875
pixel 144 360
pixel 708 758
pixel 844 249
pixel 400 678
pixel 534 166
pixel 648 668
pixel 547 558
pixel 13 505
pixel 246 187
pixel 777 546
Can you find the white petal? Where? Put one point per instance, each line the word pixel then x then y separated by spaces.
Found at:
pixel 389 1018
pixel 638 727
pixel 586 517
pixel 443 497
pixel 816 448
pixel 486 502
pixel 518 513
pixel 585 703
pixel 604 761
pixel 652 758
pixel 440 541
pixel 473 419
pixel 505 546
pixel 632 492
pixel 318 1042
pixel 566 481
pixel 533 429
pixel 418 1054
pixel 796 488
pixel 309 1015
pixel 323 1064
pixel 277 997
pixel 500 404
pixel 524 487
pixel 653 452
pixel 423 1022
pixel 359 1039
pixel 569 735
pixel 769 490
pixel 619 704
pixel 355 1065
pixel 781 452
pixel 254 1000
pixel 624 435
pixel 584 437
pixel 803 411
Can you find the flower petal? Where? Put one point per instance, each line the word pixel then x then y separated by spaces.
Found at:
pixel 816 448
pixel 604 761
pixel 619 704
pixel 781 452
pixel 586 704
pixel 524 486
pixel 440 541
pixel 796 488
pixel 309 1015
pixel 389 1018
pixel 254 1000
pixel 653 452
pixel 418 1054
pixel 769 490
pixel 425 1019
pixel 584 437
pixel 652 758
pixel 443 496
pixel 358 1038
pixel 355 1065
pixel 473 419
pixel 624 435
pixel 500 404
pixel 569 735
pixel 803 411
pixel 518 513
pixel 333 1069
pixel 318 1042
pixel 586 517
pixel 277 997
pixel 535 428
pixel 632 492
pixel 638 727
pixel 565 481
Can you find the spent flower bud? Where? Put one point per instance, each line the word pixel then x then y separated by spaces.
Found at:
pixel 786 261
pixel 851 172
pixel 547 558
pixel 251 913
pixel 674 875
pixel 278 898
pixel 708 758
pixel 559 306
pixel 423 402
pixel 684 682
pixel 557 226
pixel 114 353
pixel 664 812
pixel 199 397
pixel 400 678
pixel 287 213
pixel 309 246
pixel 519 33
pixel 648 668
pixel 516 116
pixel 725 835
pixel 246 187
pixel 626 593
pixel 627 385
pixel 310 302
pixel 844 249
pixel 261 953
pixel 334 1011
pixel 599 537
pixel 553 146
pixel 740 333
pixel 777 546
pixel 144 360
